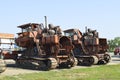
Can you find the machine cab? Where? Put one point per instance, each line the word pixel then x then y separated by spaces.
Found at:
pixel 75 35
pixel 28 34
pixel 27 28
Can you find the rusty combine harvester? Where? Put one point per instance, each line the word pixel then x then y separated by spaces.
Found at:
pixel 89 49
pixel 45 46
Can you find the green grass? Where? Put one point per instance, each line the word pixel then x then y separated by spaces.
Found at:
pixel 105 72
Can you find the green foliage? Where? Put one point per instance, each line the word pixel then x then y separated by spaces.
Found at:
pixel 113 43
pixel 105 72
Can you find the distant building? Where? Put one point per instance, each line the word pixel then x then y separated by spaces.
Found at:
pixel 6 41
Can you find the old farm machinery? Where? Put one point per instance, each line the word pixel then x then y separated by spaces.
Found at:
pixel 45 46
pixel 89 49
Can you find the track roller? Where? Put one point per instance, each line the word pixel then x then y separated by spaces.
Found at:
pixel 95 59
pixel 52 63
pixel 107 58
pixel 75 62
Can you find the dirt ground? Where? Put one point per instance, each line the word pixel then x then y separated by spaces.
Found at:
pixel 12 69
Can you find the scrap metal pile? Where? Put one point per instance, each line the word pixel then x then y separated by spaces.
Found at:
pixel 49 48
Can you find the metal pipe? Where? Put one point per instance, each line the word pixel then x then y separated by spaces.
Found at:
pixel 45 22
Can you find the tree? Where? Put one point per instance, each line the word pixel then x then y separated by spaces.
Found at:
pixel 113 43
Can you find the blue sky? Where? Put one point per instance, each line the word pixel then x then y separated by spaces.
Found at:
pixel 103 15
